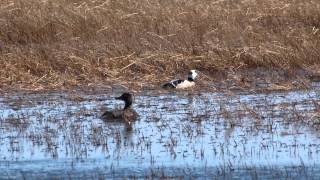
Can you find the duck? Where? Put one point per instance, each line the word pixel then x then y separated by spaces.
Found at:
pixel 126 115
pixel 181 84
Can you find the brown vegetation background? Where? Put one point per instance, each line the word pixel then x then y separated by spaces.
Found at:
pixel 57 43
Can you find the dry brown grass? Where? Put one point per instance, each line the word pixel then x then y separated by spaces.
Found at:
pixel 54 43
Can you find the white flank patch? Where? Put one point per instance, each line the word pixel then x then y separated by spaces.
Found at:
pixel 185 84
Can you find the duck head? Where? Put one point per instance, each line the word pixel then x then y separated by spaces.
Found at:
pixel 192 75
pixel 127 98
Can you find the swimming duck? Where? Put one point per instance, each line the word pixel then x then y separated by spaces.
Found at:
pixel 127 114
pixel 181 84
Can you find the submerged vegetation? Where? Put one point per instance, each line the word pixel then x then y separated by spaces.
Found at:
pixel 55 43
pixel 177 136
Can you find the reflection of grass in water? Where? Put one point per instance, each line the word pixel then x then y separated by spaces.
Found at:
pixel 19 123
pixel 69 127
pixel 226 171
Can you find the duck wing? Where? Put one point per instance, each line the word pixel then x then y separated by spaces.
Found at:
pixel 172 84
pixel 110 116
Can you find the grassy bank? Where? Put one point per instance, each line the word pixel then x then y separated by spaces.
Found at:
pixel 56 43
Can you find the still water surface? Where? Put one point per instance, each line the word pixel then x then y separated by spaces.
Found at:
pixel 237 135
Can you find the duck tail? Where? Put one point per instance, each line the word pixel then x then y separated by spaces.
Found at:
pixel 168 86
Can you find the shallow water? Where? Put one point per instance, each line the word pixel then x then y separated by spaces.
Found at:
pixel 238 135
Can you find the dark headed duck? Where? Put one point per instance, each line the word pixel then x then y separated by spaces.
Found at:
pixel 127 114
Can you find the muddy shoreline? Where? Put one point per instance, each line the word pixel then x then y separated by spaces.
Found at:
pixel 248 80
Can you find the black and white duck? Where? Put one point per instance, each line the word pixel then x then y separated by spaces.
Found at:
pixel 181 84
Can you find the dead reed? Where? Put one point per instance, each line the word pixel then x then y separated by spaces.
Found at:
pixel 56 43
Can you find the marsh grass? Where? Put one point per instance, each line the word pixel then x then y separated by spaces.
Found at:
pixel 55 43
